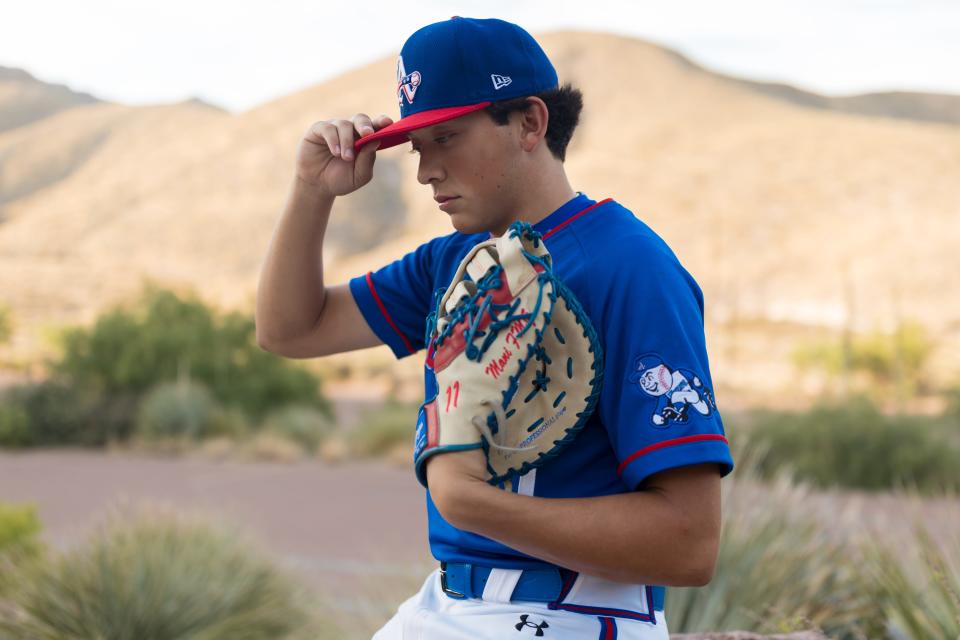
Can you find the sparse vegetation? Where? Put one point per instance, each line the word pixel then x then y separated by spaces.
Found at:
pixel 181 409
pixel 385 430
pixel 851 443
pixel 305 426
pixel 163 368
pixel 885 364
pixel 164 335
pixel 19 541
pixel 6 323
pixel 778 570
pixel 159 576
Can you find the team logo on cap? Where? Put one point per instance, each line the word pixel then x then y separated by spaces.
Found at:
pixel 499 82
pixel 407 83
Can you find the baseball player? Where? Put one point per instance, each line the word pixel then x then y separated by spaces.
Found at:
pixel 584 545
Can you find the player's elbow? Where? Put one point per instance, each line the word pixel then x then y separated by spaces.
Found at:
pixel 700 561
pixel 699 574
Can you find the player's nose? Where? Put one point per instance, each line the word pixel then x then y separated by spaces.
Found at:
pixel 429 170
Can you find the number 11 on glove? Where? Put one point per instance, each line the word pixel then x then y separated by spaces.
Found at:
pixel 516 361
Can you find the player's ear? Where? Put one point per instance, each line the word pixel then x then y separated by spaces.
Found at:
pixel 533 121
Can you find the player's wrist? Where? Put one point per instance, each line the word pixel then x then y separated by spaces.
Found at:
pixel 458 484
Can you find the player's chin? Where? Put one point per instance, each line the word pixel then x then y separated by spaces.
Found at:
pixel 465 223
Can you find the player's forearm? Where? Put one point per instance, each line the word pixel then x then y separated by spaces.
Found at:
pixel 638 537
pixel 290 295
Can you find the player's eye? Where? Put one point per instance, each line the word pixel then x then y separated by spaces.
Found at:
pixel 444 138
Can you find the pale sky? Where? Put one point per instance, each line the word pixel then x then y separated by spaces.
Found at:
pixel 240 54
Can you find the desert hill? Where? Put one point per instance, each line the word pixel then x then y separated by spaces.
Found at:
pixel 25 99
pixel 795 218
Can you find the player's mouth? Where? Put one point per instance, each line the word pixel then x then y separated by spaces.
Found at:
pixel 445 201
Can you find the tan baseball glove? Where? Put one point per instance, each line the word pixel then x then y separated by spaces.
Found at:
pixel 517 362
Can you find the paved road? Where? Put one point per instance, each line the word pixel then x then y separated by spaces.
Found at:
pixel 346 527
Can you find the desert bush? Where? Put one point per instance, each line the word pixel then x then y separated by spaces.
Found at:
pixel 852 444
pixel 6 323
pixel 57 414
pixel 304 425
pixel 14 425
pixel 229 422
pixel 777 569
pixel 919 589
pixel 19 541
pixel 182 409
pixel 895 361
pixel 384 429
pixel 155 577
pixel 162 335
pixel 271 447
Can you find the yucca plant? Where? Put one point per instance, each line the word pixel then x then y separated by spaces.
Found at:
pixel 157 576
pixel 778 569
pixel 919 588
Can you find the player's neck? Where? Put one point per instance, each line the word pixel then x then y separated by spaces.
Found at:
pixel 544 193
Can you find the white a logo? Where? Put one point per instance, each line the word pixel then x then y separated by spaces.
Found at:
pixel 499 82
pixel 407 83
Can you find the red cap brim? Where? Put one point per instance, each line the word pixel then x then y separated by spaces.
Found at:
pixel 396 133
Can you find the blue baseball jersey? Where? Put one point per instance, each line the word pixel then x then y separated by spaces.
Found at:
pixel 657 408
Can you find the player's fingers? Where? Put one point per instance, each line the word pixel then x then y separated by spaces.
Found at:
pixel 347 135
pixel 363 168
pixel 382 121
pixel 363 124
pixel 325 132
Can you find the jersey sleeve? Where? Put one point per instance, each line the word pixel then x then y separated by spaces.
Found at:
pixel 395 299
pixel 657 401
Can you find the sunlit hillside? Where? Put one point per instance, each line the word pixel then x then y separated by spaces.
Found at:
pixel 796 219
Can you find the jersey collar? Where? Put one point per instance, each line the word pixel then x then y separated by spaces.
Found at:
pixel 567 210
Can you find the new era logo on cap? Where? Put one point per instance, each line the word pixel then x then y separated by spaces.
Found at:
pixel 499 82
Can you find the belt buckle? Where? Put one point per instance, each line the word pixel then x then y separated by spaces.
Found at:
pixel 443 584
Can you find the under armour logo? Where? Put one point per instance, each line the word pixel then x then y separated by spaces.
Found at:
pixel 407 83
pixel 523 623
pixel 499 82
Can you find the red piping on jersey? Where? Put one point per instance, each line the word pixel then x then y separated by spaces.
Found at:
pixel 667 443
pixel 608 631
pixel 386 315
pixel 574 217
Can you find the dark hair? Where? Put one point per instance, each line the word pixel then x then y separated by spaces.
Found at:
pixel 563 104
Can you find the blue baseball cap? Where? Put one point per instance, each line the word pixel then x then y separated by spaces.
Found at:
pixel 452 68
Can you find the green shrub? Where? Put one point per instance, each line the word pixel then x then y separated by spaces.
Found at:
pixel 778 570
pixel 6 323
pixel 182 409
pixel 19 541
pixel 157 578
pixel 14 425
pixel 306 426
pixel 57 413
pixel 919 589
pixel 163 335
pixel 852 444
pixel 895 361
pixel 384 429
pixel 229 422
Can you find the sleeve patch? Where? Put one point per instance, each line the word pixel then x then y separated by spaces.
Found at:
pixel 680 393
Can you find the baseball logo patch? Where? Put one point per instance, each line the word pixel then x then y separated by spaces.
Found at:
pixel 407 83
pixel 676 390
